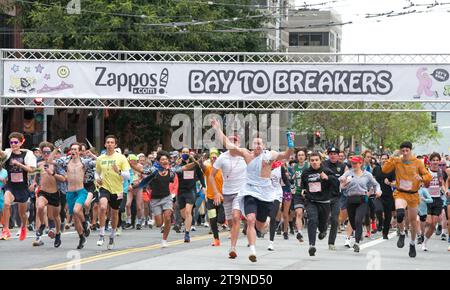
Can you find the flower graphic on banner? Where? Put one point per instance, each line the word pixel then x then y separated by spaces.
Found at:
pixel 15 68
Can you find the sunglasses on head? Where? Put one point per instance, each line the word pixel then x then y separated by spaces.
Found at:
pixel 14 142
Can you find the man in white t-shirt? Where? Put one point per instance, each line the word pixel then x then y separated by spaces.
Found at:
pixel 233 169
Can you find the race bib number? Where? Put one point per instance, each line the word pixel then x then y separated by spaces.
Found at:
pixel 315 187
pixel 16 177
pixel 188 174
pixel 406 184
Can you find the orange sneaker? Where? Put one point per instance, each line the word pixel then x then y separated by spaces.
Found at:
pixel 23 234
pixel 6 234
pixel 215 243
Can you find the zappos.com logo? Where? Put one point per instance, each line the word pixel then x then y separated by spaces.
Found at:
pixel 135 83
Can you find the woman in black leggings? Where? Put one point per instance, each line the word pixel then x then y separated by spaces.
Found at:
pixel 276 184
pixel 358 183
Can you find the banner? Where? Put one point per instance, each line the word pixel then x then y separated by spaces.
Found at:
pixel 228 81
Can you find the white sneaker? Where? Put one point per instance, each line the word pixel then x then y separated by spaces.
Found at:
pixel 206 225
pixel 118 232
pixel 151 222
pixel 100 241
pixel 270 247
pixel 424 247
pixel 193 229
pixel 348 243
pixel 164 244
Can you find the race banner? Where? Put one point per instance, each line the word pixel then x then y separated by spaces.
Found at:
pixel 228 81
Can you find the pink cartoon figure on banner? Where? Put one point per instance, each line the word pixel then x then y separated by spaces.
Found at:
pixel 425 83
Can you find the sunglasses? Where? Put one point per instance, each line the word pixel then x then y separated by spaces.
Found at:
pixel 46 152
pixel 14 142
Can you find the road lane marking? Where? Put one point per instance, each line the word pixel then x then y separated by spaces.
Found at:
pixel 104 256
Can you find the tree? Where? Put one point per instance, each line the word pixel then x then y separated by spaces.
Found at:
pixel 129 25
pixel 372 129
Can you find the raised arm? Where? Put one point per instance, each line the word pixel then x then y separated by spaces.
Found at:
pixel 227 143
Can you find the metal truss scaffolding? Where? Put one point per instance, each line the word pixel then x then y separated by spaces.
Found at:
pixel 8 101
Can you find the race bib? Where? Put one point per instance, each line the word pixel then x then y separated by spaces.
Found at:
pixel 315 187
pixel 16 177
pixel 188 174
pixel 406 184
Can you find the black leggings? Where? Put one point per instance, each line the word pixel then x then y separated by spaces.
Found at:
pixel 356 214
pixel 216 215
pixel 273 215
pixel 384 213
pixel 370 214
pixel 318 214
pixel 62 212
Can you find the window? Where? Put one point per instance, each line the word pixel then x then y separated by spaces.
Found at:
pixel 309 38
pixel 332 40
pixel 6 32
pixel 433 117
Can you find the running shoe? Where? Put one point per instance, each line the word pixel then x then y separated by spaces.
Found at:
pixel 286 236
pixel 270 247
pixel 111 243
pixel 81 242
pixel 101 240
pixel 312 251
pixel 57 240
pixel 322 236
pixel 232 254
pixel 332 247
pixel 401 241
pixel 215 243
pixel 6 234
pixel 300 237
pixel 51 233
pixel 187 238
pixel 347 243
pixel 23 233
pixel 412 251
pixel 356 248
pixel 443 237
pixel 38 242
pixel 164 244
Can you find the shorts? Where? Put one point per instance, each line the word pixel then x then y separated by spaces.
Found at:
pixel 423 218
pixel 184 198
pixel 412 199
pixel 299 201
pixel 74 197
pixel 90 187
pixel 287 195
pixel 343 202
pixel 435 208
pixel 159 205
pixel 113 200
pixel 21 195
pixel 230 203
pixel 53 199
pixel 261 208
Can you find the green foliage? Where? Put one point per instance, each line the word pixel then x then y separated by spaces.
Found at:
pixel 370 128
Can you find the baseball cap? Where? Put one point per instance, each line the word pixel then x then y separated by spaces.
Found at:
pixel 133 157
pixel 214 151
pixel 333 149
pixel 35 149
pixel 356 159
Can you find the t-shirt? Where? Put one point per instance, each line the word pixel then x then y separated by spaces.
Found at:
pixel 297 178
pixel 233 172
pixel 160 184
pixel 435 184
pixel 17 176
pixel 112 181
pixel 218 179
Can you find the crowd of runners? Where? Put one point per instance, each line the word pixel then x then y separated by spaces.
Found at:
pixel 296 193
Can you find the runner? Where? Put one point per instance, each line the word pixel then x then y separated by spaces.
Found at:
pixel 299 199
pixel 89 182
pixel 278 189
pixel 49 195
pixel 287 200
pixel 409 173
pixel 425 199
pixel 159 177
pixel 111 169
pixel 316 182
pixel 358 183
pixel 214 209
pixel 334 165
pixel 233 169
pixel 19 163
pixel 76 195
pixel 447 191
pixel 136 194
pixel 187 189
pixel 434 188
pixel 257 194
pixel 386 182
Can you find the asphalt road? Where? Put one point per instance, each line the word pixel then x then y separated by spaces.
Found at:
pixel 141 250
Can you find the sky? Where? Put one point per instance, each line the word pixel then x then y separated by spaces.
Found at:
pixel 411 33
